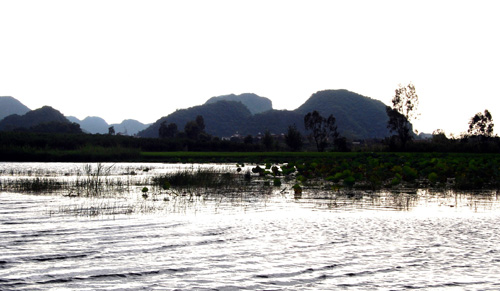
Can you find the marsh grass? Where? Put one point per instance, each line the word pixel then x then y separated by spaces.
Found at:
pixel 32 185
pixel 94 208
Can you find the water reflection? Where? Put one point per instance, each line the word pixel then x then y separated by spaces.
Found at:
pixel 119 191
pixel 406 200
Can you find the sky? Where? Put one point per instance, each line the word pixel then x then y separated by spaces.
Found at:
pixel 144 59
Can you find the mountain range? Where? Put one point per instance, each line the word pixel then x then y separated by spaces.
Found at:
pixel 25 118
pixel 358 117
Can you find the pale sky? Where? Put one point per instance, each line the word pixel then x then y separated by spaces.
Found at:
pixel 145 59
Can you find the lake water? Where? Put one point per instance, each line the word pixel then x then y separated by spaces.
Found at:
pixel 382 241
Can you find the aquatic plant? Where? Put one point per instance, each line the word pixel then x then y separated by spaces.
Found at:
pixel 145 192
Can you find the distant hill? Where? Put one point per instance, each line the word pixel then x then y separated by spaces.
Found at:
pixel 253 102
pixel 73 119
pixel 45 119
pixel 357 116
pixel 129 127
pixel 94 124
pixel 91 124
pixel 222 118
pixel 10 105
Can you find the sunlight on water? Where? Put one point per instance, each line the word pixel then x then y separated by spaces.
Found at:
pixel 323 241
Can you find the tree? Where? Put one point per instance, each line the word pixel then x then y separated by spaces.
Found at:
pixel 268 140
pixel 399 124
pixel 200 122
pixel 439 136
pixel 111 130
pixel 404 109
pixel 481 125
pixel 293 138
pixel 194 129
pixel 323 129
pixel 167 131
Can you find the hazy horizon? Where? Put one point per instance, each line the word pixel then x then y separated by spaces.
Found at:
pixel 143 60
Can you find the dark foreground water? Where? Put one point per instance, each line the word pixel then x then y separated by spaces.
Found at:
pixel 276 243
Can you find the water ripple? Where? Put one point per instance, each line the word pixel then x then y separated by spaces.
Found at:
pixel 279 244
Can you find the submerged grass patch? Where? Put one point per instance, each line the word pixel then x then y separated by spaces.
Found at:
pixel 201 178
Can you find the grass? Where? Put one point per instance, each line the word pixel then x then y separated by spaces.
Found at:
pixel 201 178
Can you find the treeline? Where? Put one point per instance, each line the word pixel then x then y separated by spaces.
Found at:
pixel 22 146
pixel 27 146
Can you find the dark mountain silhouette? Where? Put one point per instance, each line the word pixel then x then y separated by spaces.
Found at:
pixel 45 119
pixel 129 127
pixel 276 121
pixel 222 118
pixel 253 102
pixel 10 105
pixel 357 116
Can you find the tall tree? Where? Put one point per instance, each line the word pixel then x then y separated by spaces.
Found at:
pixel 481 125
pixel 293 138
pixel 404 109
pixel 323 129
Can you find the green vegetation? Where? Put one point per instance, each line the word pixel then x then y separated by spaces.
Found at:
pixel 368 170
pixel 411 170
